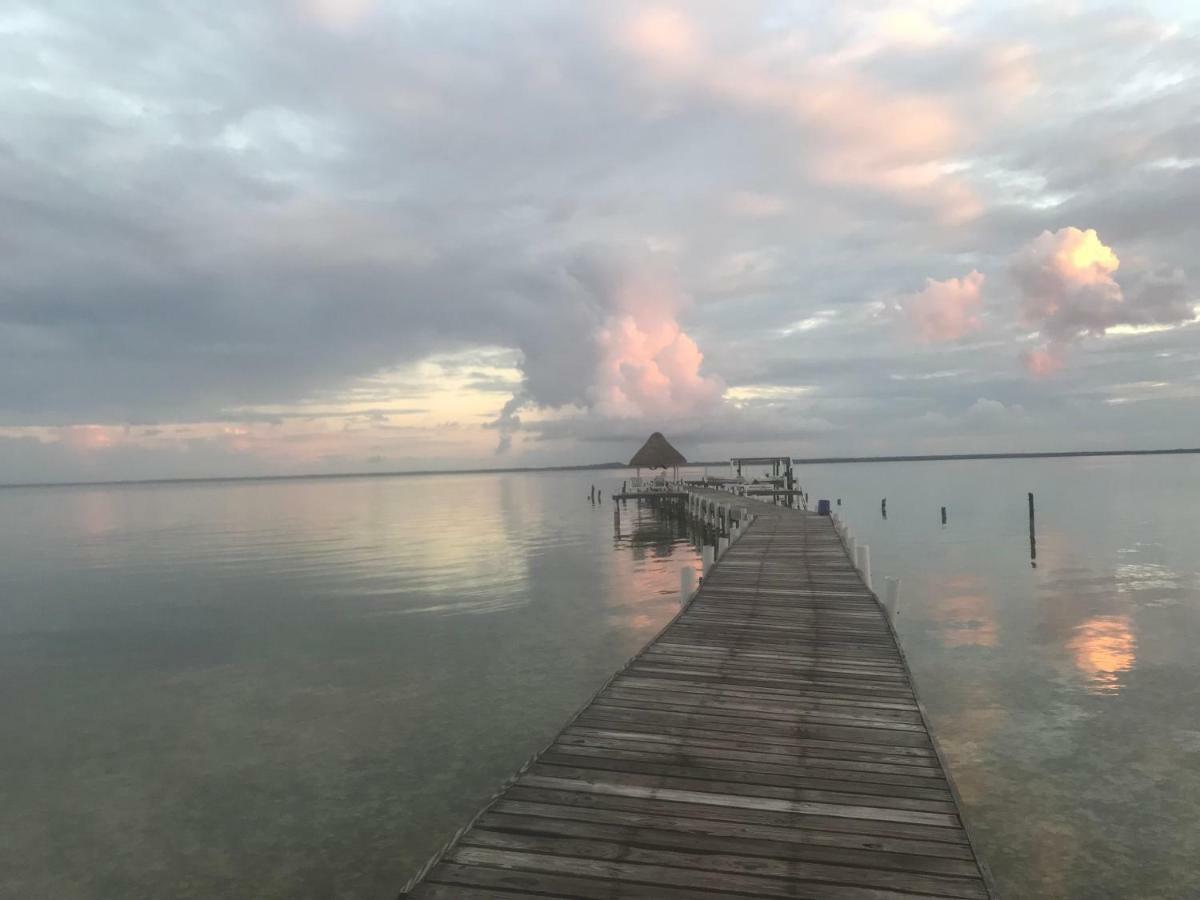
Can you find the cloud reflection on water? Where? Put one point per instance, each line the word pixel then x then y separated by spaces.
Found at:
pixel 1104 649
pixel 964 614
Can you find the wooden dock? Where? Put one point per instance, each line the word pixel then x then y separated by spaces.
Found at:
pixel 766 744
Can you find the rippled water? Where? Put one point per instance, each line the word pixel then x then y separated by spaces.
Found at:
pixel 299 689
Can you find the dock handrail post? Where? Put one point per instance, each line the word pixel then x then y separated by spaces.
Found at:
pixel 722 546
pixel 862 558
pixel 706 557
pixel 891 595
pixel 687 584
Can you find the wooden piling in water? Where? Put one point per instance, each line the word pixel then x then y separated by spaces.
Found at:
pixel 1032 535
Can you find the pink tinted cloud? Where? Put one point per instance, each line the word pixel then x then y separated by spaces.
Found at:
pixel 946 310
pixel 90 438
pixel 1043 362
pixel 648 365
pixel 339 15
pixel 663 37
pixel 1067 285
pixel 858 131
pixel 1068 292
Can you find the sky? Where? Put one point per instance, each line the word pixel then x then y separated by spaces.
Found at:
pixel 356 235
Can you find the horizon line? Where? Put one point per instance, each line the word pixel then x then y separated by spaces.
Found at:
pixel 500 470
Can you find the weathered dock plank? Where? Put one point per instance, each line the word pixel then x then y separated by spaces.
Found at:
pixel 767 743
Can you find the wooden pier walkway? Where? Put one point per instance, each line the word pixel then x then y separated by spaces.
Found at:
pixel 766 744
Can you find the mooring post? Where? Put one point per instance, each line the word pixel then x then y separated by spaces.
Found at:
pixel 722 546
pixel 891 596
pixel 706 557
pixel 1032 535
pixel 687 584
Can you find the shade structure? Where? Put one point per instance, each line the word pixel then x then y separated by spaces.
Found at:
pixel 657 453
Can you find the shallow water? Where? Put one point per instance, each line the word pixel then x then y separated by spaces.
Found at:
pixel 301 688
pixel 1066 696
pixel 297 688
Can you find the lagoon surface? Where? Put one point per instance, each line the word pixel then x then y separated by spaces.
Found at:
pixel 301 688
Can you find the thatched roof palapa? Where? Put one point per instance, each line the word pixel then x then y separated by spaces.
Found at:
pixel 657 453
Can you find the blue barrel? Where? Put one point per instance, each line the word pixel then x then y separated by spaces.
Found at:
pixel 823 507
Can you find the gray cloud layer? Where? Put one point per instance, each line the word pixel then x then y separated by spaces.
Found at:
pixel 202 209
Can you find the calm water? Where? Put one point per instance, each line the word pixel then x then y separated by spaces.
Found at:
pixel 294 689
pixel 1067 697
pixel 300 689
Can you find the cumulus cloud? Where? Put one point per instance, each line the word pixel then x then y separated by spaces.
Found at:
pixel 648 365
pixel 635 363
pixel 1066 283
pixel 1068 291
pixel 945 310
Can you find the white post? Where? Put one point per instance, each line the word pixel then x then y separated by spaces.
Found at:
pixel 891 595
pixel 687 584
pixel 722 546
pixel 706 557
pixel 848 537
pixel 862 556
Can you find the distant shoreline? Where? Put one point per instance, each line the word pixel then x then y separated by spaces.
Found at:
pixel 587 467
